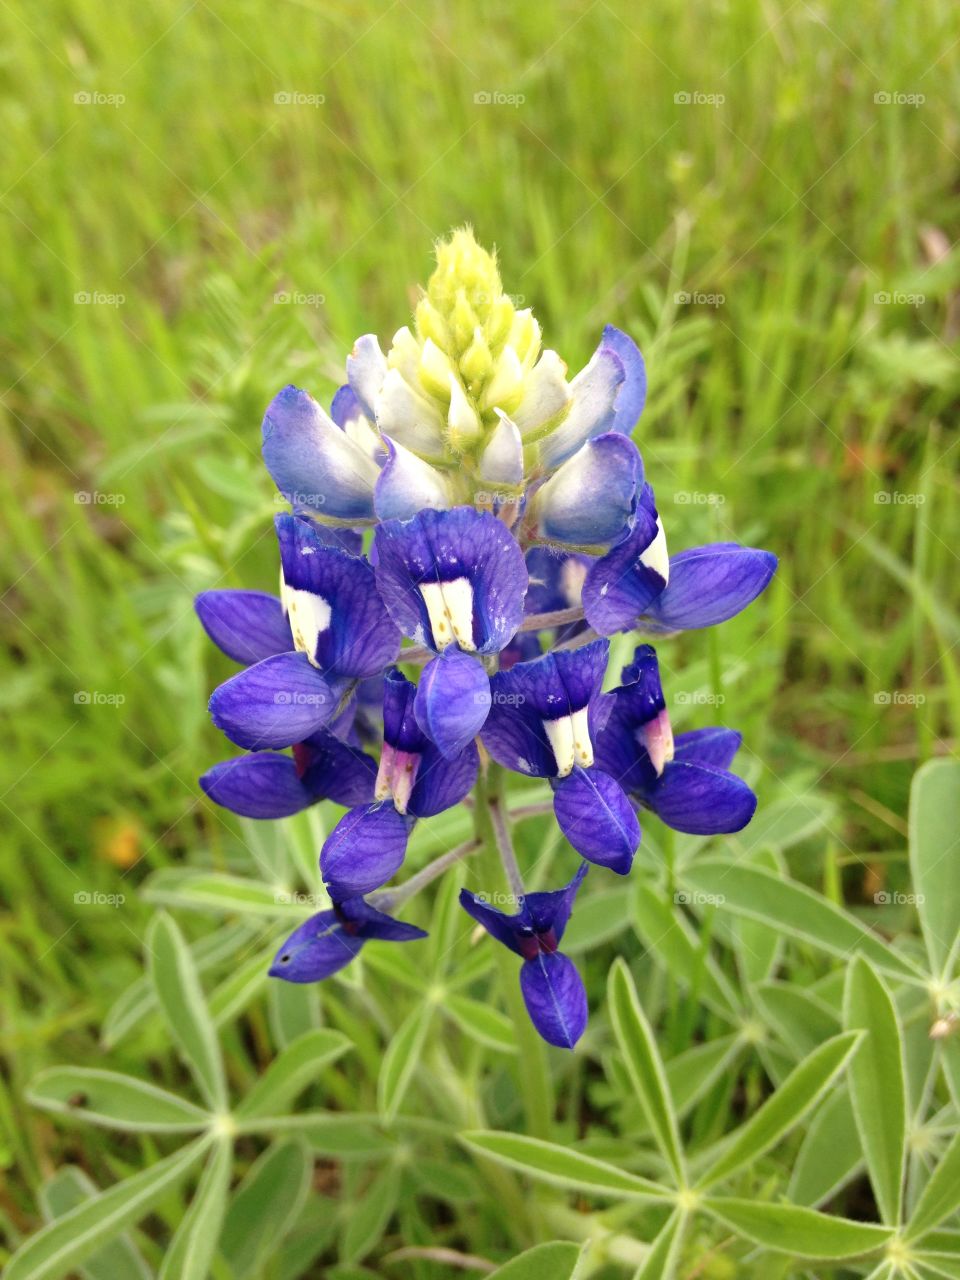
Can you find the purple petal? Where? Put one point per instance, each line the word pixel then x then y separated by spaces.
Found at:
pixel 617 750
pixel 556 579
pixel 400 728
pixel 264 785
pixel 447 546
pixel 641 694
pixel 593 395
pixel 590 498
pixel 315 950
pixel 331 769
pixel 713 746
pixel 345 407
pixel 700 800
pixel 499 924
pixel 551 909
pixel 513 732
pixel 407 485
pixel 246 625
pixel 353 636
pixel 313 463
pixel 597 819
pixel 556 1001
pixel 364 849
pixel 368 922
pixel 633 390
pixel 622 585
pixel 453 698
pixel 709 585
pixel 442 783
pixel 275 703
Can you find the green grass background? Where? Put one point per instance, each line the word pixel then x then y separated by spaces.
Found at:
pixel 797 401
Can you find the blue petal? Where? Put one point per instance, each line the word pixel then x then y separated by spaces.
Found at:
pixel 502 925
pixel 366 370
pixel 313 463
pixel 264 785
pixel 597 818
pixel 407 485
pixel 709 585
pixel 551 910
pixel 714 746
pixel 331 769
pixel 453 698
pixel 364 849
pixel 371 923
pixel 556 1001
pixel 275 703
pixel 619 587
pixel 617 750
pixel 345 407
pixel 444 546
pixel 633 390
pixel 246 625
pixel 556 579
pixel 593 395
pixel 400 727
pixel 641 694
pixel 315 950
pixel 701 800
pixel 360 639
pixel 442 783
pixel 589 500
pixel 502 459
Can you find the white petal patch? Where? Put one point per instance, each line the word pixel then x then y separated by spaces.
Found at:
pixel 569 738
pixel 656 556
pixel 309 617
pixel 450 609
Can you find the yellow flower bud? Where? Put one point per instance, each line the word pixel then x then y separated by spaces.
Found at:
pixel 435 370
pixel 431 324
pixel 476 363
pixel 499 323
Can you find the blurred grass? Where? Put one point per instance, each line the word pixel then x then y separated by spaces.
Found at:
pixel 797 402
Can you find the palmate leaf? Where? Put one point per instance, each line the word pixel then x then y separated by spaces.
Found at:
pixel 788 1228
pixel 636 1040
pixel 291 1071
pixel 60 1247
pixel 877 1084
pixel 552 1163
pixel 558 1260
pixel 181 1000
pixel 935 858
pixel 830 1154
pixel 191 1251
pixel 941 1195
pixel 114 1101
pixel 802 1090
pixel 67 1189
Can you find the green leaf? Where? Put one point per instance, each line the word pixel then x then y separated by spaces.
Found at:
pixel 401 1059
pixel 599 918
pixel 215 891
pixel 370 1214
pixel 935 857
pixel 481 1022
pixel 564 1168
pixel 558 1260
pixel 190 1252
pixel 941 1196
pixel 637 1044
pixel 877 1086
pixel 70 1187
pixel 788 1228
pixel 661 1262
pixel 796 910
pixel 235 993
pixel 781 1112
pixel 175 981
pixel 114 1101
pixel 800 1019
pixel 830 1154
pixel 334 1133
pixel 692 1073
pixel 291 1071
pixel 265 1204
pixel 59 1248
pixel 666 932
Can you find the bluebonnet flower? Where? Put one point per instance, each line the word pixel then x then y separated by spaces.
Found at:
pixel 511 520
pixel 552 988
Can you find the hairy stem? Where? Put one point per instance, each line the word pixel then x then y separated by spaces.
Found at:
pixel 504 843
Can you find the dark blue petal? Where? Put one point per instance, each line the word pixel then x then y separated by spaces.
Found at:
pixel 700 800
pixel 709 585
pixel 371 923
pixel 331 769
pixel 246 625
pixel 446 546
pixel 597 819
pixel 551 910
pixel 315 950
pixel 364 849
pixel 714 746
pixel 275 703
pixel 556 1001
pixel 513 732
pixel 556 579
pixel 453 698
pixel 441 782
pixel 265 785
pixel 622 585
pixel 632 394
pixel 589 500
pixel 617 750
pixel 400 728
pixel 499 924
pixel 359 638
pixel 641 694
pixel 345 406
pixel 347 540
pixel 313 463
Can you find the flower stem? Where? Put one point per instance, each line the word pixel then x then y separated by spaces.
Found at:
pixel 501 835
pixel 389 899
